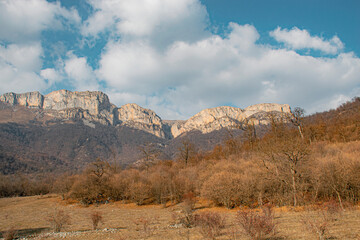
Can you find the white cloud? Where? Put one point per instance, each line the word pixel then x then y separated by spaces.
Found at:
pixel 21 52
pixel 301 39
pixel 130 66
pixel 235 69
pixel 162 21
pixel 23 20
pixel 80 74
pixel 23 57
pixel 160 57
pixel 18 67
pixel 51 75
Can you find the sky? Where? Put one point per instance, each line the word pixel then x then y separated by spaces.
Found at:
pixel 180 57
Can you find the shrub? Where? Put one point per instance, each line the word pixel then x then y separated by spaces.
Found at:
pixel 139 191
pixel 320 223
pixel 257 225
pixel 144 224
pixel 58 220
pixel 187 217
pixel 96 218
pixel 210 224
pixel 10 234
pixel 223 188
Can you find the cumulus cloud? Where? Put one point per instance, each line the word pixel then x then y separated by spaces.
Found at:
pixel 79 73
pixel 159 55
pixel 214 71
pixel 23 57
pixel 161 21
pixel 51 75
pixel 18 67
pixel 23 20
pixel 21 52
pixel 301 39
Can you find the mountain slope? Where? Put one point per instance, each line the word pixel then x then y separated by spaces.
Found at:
pixel 64 131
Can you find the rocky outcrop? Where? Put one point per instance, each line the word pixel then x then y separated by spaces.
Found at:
pixel 267 107
pixel 92 107
pixel 209 120
pixel 217 118
pixel 94 102
pixel 30 99
pixel 132 115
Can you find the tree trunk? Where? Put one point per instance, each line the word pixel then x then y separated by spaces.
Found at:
pixel 339 197
pixel 300 131
pixel 294 186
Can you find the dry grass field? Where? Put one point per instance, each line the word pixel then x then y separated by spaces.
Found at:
pixel 29 217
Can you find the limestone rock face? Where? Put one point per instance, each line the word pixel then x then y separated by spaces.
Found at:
pixel 79 113
pixel 217 118
pixel 92 107
pixel 133 115
pixel 209 120
pixel 94 102
pixel 267 107
pixel 30 99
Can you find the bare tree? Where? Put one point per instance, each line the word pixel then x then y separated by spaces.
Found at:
pixel 99 168
pixel 149 154
pixel 248 126
pixel 186 152
pixel 297 119
pixel 284 152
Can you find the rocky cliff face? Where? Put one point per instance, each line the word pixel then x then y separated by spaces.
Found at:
pixel 30 99
pixel 217 118
pixel 95 107
pixel 209 120
pixel 267 107
pixel 94 102
pixel 132 115
pixel 90 106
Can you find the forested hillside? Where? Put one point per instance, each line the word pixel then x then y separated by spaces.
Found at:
pixel 283 166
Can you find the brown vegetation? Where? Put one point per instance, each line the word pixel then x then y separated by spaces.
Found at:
pixel 58 219
pixel 96 218
pixel 257 225
pixel 29 216
pixel 306 161
pixel 210 224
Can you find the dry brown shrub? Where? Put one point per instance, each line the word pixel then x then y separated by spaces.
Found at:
pixel 332 208
pixel 222 188
pixel 96 218
pixel 231 185
pixel 184 181
pixel 93 186
pixel 257 225
pixel 160 181
pixel 319 223
pixel 210 224
pixel 10 234
pixel 119 184
pixel 139 192
pixel 186 216
pixel 336 172
pixel 63 185
pixel 144 225
pixel 58 219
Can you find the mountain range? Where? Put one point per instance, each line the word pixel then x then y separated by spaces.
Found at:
pixel 66 130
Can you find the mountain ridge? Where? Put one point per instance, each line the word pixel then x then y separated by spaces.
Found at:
pixel 95 106
pixel 65 131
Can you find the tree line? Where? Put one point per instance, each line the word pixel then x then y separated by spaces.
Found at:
pixel 299 160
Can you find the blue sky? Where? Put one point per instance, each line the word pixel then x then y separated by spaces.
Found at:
pixel 179 57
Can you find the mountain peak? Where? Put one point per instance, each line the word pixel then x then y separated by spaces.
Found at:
pixel 94 106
